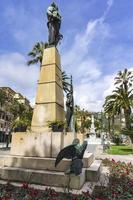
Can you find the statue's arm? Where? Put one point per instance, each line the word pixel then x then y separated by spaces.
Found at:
pixel 58 16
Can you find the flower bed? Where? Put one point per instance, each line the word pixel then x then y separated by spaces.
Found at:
pixel 120 187
pixel 10 192
pixel 120 181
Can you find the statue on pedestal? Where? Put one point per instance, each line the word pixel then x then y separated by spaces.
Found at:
pixel 54 24
pixel 69 105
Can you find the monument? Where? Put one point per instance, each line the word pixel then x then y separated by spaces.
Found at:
pixel 92 129
pixel 49 99
pixel 32 155
pixel 49 107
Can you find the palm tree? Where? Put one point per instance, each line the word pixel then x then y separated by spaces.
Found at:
pixel 65 82
pixel 36 56
pixel 122 97
pixel 125 101
pixel 120 100
pixel 110 109
pixel 124 79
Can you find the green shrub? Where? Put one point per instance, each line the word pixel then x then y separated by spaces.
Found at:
pixel 56 126
pixel 117 139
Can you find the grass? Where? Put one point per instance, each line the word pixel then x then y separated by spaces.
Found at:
pixel 120 150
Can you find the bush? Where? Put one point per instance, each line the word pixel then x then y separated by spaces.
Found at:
pixel 56 126
pixel 117 139
pixel 20 126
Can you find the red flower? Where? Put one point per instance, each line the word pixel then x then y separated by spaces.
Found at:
pixel 113 160
pixel 127 172
pixel 25 185
pixel 33 192
pixel 97 198
pixel 74 197
pixel 36 192
pixel 130 185
pixel 86 194
pixel 114 194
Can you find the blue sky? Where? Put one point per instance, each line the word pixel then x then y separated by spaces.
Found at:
pixel 97 43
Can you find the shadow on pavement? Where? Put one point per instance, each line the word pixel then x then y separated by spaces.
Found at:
pixel 5 149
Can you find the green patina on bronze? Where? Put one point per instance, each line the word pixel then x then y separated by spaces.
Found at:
pixel 54 24
pixel 75 152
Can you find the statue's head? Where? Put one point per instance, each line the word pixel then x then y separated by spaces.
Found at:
pixel 76 141
pixel 54 5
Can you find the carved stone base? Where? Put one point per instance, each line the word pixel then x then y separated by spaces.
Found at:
pixel 45 144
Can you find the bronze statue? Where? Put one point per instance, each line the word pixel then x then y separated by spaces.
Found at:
pixel 75 152
pixel 69 105
pixel 54 24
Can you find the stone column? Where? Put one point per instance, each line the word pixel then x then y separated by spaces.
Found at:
pixel 92 129
pixel 49 99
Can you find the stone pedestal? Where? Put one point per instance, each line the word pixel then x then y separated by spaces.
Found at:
pixel 46 144
pixel 49 99
pixel 42 171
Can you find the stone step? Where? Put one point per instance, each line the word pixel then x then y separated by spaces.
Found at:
pixel 43 177
pixel 43 163
pixel 93 172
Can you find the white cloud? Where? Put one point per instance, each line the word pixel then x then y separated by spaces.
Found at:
pixel 110 3
pixel 88 70
pixel 90 84
pixel 91 95
pixel 81 44
pixel 16 74
pixel 109 6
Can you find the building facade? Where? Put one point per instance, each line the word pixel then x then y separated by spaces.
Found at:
pixel 5 114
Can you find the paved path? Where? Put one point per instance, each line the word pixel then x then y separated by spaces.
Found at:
pixel 3 149
pixel 93 144
pixel 4 152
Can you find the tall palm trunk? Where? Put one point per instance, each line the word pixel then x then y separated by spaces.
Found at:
pixel 120 115
pixel 113 123
pixel 131 139
pixel 127 115
pixel 109 125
